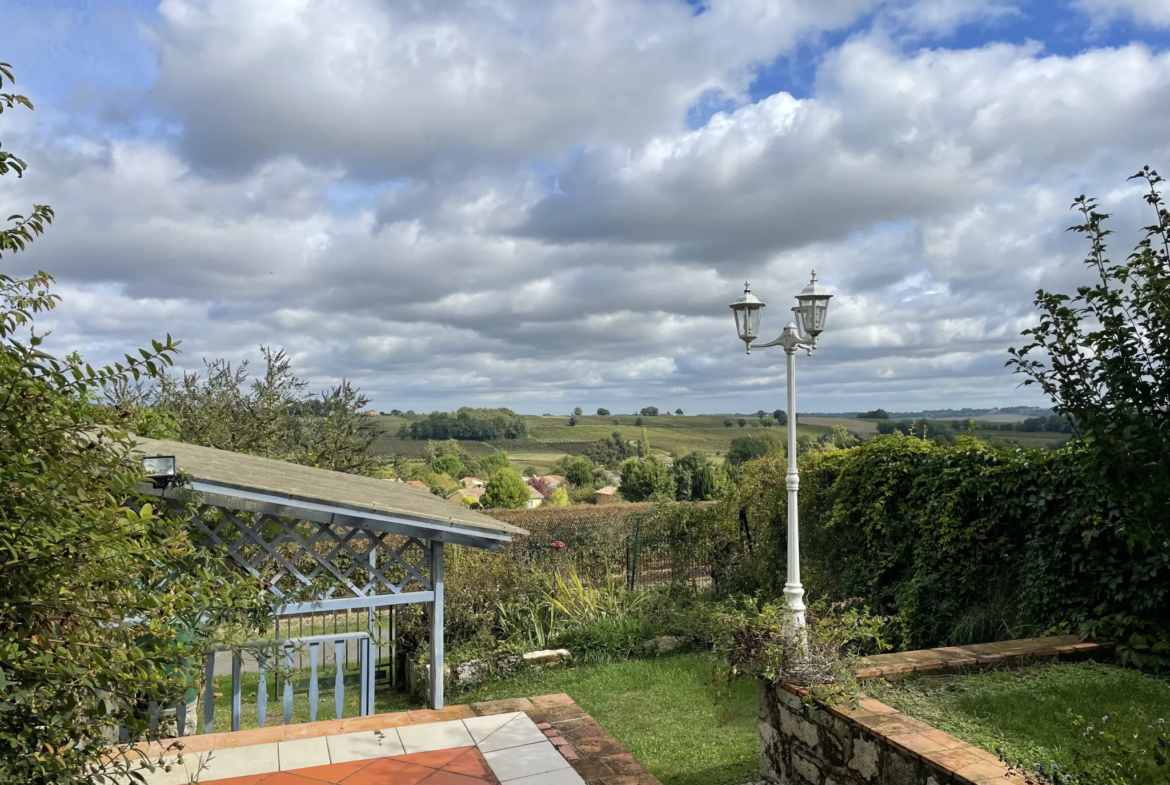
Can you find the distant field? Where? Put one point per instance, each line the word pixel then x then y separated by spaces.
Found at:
pixel 1024 438
pixel 998 417
pixel 852 424
pixel 551 437
pixel 542 461
pixel 418 450
pixel 666 434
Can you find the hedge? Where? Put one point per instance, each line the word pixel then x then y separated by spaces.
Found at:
pixel 966 542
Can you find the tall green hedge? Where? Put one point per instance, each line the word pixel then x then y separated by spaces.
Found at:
pixel 965 542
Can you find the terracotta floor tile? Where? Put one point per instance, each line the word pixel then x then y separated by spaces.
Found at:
pixel 435 760
pixel 375 722
pixel 286 778
pixel 311 730
pixel 419 716
pixel 247 738
pixel 251 779
pixel 448 778
pixel 333 772
pixel 387 771
pixel 470 763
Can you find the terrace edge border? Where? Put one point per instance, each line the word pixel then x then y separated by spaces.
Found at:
pixel 808 741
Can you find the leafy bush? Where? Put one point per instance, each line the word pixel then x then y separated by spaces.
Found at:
pixel 747 448
pixel 646 479
pixel 1101 355
pixel 506 489
pixel 764 644
pixel 961 543
pixel 103 598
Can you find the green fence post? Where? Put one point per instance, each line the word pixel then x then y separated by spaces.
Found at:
pixel 634 560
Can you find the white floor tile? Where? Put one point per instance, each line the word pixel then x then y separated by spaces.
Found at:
pixel 239 761
pixel 482 727
pixel 516 733
pixel 364 745
pixel 561 777
pixel 516 762
pixel 302 753
pixel 178 775
pixel 435 736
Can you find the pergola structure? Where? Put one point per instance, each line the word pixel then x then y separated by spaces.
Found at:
pixel 325 540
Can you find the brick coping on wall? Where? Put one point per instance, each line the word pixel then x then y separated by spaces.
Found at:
pixel 955 760
pixel 595 755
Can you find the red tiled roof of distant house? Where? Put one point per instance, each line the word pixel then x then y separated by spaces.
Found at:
pixel 418 484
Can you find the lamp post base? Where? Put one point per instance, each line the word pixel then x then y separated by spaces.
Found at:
pixel 794 595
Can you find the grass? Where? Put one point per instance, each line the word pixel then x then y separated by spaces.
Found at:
pixel 666 434
pixel 662 711
pixel 542 462
pixel 1039 715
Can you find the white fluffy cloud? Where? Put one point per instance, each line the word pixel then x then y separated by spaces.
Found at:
pixel 503 203
pixel 1153 12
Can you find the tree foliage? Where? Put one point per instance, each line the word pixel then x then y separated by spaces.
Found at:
pixel 876 414
pixel 103 596
pixel 780 416
pixel 506 489
pixel 271 415
pixel 746 448
pixel 602 412
pixel 646 479
pixel 694 478
pixel 649 411
pixel 1101 356
pixel 610 451
pixel 467 423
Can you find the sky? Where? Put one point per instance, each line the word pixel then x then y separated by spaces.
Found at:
pixel 544 204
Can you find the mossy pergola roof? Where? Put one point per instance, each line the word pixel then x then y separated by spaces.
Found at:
pixel 271 485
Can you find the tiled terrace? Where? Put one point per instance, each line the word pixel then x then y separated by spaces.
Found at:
pixel 546 739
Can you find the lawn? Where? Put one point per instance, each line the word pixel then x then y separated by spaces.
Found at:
pixel 661 709
pixel 1049 715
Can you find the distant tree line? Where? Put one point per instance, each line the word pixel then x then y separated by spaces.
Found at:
pixel 469 424
pixel 944 431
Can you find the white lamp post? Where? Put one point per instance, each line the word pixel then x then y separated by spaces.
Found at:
pixel 812 307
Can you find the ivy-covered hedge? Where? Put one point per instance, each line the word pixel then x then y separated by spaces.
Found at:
pixel 966 542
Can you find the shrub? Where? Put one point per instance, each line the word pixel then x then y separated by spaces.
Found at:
pixel 103 598
pixel 646 479
pixel 962 543
pixel 766 645
pixel 747 448
pixel 505 489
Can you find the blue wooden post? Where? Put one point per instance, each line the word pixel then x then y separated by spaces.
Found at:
pixel 288 685
pixel 437 625
pixel 314 695
pixel 236 689
pixel 339 678
pixel 209 694
pixel 262 689
pixel 373 633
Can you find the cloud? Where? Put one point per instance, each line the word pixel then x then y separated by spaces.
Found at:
pixel 550 233
pixel 944 17
pixel 1105 12
pixel 396 89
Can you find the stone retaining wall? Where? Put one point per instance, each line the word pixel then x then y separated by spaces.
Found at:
pixel 803 741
